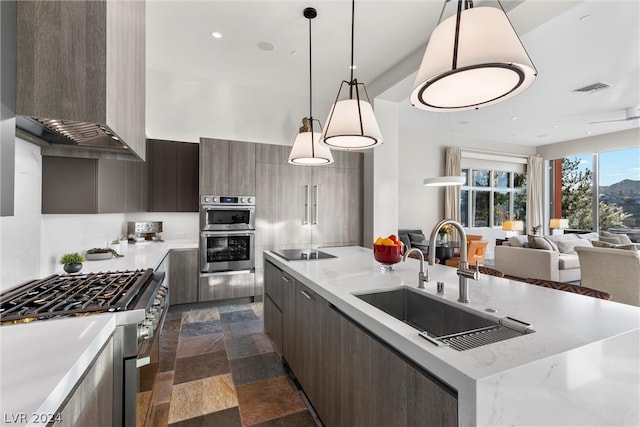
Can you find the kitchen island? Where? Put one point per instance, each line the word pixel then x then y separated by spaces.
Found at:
pixel 42 362
pixel 581 366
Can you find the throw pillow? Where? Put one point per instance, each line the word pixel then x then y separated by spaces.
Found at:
pixel 518 241
pixel 602 244
pixel 568 246
pixel 631 247
pixel 553 245
pixel 416 237
pixel 588 236
pixel 624 239
pixel 539 242
pixel 612 240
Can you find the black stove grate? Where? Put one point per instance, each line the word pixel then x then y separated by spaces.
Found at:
pixel 73 295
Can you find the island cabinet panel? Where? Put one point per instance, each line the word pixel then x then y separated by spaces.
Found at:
pixel 351 377
pixel 227 167
pixel 91 402
pixel 173 176
pixel 273 323
pixel 184 276
pixel 309 321
pixel 289 321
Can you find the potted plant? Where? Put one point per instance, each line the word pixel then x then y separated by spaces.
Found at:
pixel 72 262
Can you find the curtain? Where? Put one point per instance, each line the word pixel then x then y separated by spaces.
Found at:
pixel 452 193
pixel 535 191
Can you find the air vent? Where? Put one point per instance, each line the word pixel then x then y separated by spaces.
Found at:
pixel 592 88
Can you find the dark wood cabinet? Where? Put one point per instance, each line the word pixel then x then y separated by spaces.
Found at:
pixel 184 276
pixel 87 186
pixel 227 167
pixel 172 176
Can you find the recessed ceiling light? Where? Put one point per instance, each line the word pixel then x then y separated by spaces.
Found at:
pixel 514 118
pixel 266 46
pixel 555 126
pixel 589 133
pixel 294 52
pixel 353 67
pixel 216 35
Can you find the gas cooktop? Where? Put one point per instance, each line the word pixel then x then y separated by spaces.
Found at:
pixel 73 295
pixel 303 254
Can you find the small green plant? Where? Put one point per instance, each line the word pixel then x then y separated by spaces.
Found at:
pixel 73 258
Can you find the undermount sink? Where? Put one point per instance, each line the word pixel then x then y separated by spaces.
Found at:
pixel 442 323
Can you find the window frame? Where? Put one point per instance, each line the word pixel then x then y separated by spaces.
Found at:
pixel 468 190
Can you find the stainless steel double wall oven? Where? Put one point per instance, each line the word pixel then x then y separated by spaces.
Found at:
pixel 227 233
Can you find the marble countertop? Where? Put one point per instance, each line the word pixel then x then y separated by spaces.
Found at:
pixel 40 362
pixel 148 254
pixel 580 365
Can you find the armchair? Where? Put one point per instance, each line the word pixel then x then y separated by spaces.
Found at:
pixel 616 271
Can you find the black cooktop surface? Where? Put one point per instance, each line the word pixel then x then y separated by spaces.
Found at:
pixel 303 254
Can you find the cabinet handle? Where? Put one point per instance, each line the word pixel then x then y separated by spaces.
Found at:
pixel 306 295
pixel 285 278
pixel 315 205
pixel 305 220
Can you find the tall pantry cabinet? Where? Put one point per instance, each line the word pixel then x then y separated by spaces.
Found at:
pixel 303 206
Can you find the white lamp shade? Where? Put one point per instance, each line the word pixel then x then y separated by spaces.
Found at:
pixel 558 223
pixel 343 131
pixel 513 225
pixel 443 181
pixel 306 152
pixel 492 64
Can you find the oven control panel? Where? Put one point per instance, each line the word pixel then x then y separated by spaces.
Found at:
pixel 228 200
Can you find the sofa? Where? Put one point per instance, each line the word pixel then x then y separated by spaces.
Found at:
pixel 612 270
pixel 542 257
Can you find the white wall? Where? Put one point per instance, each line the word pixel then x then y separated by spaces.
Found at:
pixel 20 234
pixel 421 155
pixel 609 142
pixel 383 178
pixel 213 109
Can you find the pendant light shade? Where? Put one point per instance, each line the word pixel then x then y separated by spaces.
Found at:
pixel 473 59
pixel 351 124
pixel 307 149
pixel 443 181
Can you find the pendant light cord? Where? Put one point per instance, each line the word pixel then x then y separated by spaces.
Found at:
pixel 310 87
pixel 353 24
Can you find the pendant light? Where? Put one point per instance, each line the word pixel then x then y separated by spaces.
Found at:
pixel 351 124
pixel 473 59
pixel 307 149
pixel 443 181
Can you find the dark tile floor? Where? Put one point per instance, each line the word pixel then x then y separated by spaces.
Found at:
pixel 218 368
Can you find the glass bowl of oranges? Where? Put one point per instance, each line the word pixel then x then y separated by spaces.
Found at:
pixel 388 252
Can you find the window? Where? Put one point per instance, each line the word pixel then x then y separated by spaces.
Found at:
pixel 492 196
pixel 600 191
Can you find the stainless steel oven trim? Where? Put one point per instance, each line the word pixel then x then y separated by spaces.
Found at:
pixel 229 266
pixel 227 227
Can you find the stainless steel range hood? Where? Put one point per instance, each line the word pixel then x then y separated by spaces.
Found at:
pixel 80 77
pixel 70 133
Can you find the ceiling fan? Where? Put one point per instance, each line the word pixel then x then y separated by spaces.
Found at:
pixel 632 113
